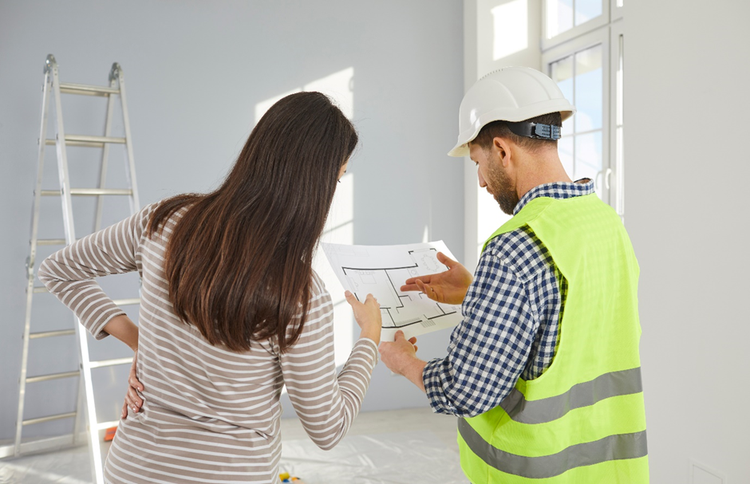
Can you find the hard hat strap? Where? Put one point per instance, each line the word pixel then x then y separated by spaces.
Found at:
pixel 535 130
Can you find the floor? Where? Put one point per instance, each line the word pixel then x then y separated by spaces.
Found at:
pixel 392 447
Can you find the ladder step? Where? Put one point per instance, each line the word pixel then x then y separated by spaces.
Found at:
pixel 89 141
pixel 69 88
pixel 38 289
pixel 106 425
pixel 114 362
pixel 52 376
pixel 59 416
pixel 127 302
pixel 50 334
pixel 89 192
pixel 51 241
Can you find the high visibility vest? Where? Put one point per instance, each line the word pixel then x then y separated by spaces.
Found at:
pixel 583 420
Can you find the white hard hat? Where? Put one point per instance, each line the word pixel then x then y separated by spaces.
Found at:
pixel 509 94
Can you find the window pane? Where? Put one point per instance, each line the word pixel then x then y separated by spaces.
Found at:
pixel 588 89
pixel 588 155
pixel 562 73
pixel 565 150
pixel 559 17
pixel 587 9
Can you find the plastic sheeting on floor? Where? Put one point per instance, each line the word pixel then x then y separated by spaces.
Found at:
pixel 389 458
pixel 70 466
pixel 395 458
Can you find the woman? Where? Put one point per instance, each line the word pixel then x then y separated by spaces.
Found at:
pixel 231 309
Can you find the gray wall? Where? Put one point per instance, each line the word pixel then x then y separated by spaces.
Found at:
pixel 195 71
pixel 686 209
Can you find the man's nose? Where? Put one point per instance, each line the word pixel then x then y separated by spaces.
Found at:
pixel 482 183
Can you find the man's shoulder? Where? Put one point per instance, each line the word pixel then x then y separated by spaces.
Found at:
pixel 520 251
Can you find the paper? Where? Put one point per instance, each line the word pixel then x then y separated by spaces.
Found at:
pixel 381 270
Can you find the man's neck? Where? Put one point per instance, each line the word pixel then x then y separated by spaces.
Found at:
pixel 543 168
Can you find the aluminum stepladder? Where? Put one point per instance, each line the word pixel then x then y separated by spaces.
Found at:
pixel 53 88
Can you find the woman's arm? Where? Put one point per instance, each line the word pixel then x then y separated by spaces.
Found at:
pixel 69 275
pixel 325 402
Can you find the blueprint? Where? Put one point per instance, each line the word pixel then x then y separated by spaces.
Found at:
pixel 381 270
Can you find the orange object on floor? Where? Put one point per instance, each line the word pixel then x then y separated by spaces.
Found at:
pixel 109 434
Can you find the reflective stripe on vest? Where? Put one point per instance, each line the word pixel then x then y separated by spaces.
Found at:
pixel 611 384
pixel 613 447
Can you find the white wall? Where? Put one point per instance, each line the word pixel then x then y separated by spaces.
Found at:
pixel 687 212
pixel 195 73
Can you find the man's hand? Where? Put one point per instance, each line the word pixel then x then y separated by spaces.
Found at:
pixel 132 399
pixel 400 357
pixel 445 287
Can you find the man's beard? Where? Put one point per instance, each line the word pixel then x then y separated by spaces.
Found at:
pixel 502 189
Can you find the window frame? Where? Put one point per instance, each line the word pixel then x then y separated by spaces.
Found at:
pixel 617 178
pixel 577 30
pixel 598 37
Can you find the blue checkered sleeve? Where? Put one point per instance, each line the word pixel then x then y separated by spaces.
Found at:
pixel 509 328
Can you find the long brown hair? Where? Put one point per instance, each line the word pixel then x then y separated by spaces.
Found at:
pixel 239 261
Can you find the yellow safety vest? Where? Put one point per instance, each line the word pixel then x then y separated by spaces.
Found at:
pixel 582 421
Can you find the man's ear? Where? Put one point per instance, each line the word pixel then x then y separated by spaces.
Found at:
pixel 503 149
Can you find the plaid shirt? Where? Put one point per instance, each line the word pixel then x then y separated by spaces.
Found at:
pixel 510 319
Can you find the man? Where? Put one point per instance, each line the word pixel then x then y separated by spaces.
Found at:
pixel 544 371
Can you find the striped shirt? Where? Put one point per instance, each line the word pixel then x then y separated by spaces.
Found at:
pixel 210 415
pixel 511 314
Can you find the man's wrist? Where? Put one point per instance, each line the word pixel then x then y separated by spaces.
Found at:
pixel 413 369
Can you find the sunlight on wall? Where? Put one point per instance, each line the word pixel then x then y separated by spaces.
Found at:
pixel 339 86
pixel 339 230
pixel 339 227
pixel 510 28
pixel 489 217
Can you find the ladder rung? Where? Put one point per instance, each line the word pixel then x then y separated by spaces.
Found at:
pixel 38 289
pixel 51 241
pixel 69 88
pixel 59 416
pixel 52 376
pixel 106 425
pixel 88 192
pixel 86 140
pixel 127 302
pixel 50 334
pixel 115 362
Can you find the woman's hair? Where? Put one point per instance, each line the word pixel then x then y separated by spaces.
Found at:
pixel 238 262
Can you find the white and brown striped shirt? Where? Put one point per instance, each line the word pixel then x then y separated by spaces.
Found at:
pixel 210 415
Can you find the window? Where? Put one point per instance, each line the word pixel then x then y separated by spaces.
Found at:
pixel 589 70
pixel 579 76
pixel 566 19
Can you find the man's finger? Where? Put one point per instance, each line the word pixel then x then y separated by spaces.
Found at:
pixel 413 280
pixel 409 287
pixel 446 260
pixel 413 340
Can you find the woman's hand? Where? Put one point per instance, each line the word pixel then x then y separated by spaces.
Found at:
pixel 445 287
pixel 367 315
pixel 132 399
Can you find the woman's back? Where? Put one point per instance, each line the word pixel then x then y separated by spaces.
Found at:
pixel 210 414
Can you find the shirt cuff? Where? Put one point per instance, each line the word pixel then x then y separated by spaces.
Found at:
pixel 431 378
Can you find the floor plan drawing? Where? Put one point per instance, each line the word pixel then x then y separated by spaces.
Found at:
pixel 382 270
